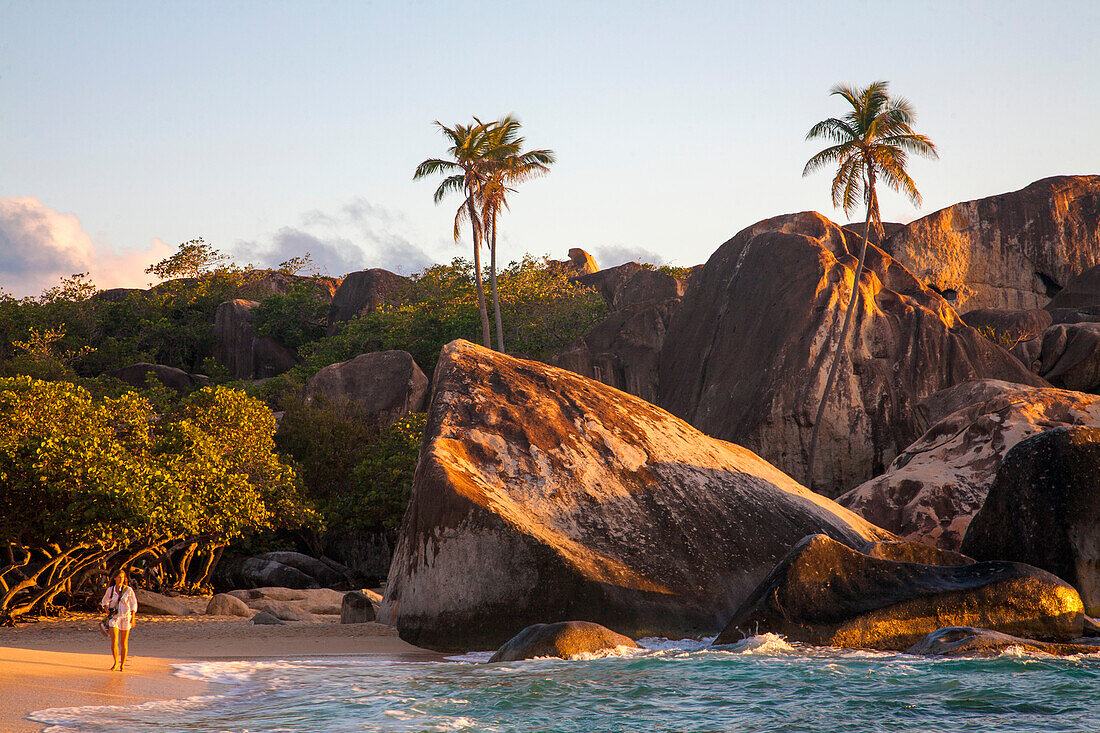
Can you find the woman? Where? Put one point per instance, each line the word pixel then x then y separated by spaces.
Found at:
pixel 121 604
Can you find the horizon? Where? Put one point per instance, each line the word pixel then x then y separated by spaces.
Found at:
pixel 283 130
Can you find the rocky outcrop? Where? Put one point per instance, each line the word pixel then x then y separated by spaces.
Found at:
pixel 308 601
pixel 223 604
pixel 116 295
pixel 748 352
pixel 889 228
pixel 263 284
pixel 1016 250
pixel 324 574
pixel 827 594
pixel 366 554
pixel 361 292
pixel 1082 292
pixel 1018 331
pixel 155 604
pixel 579 263
pixel 385 384
pixel 1044 509
pixel 965 641
pixel 934 487
pixel 542 496
pixel 240 350
pixel 565 640
pixel 1070 356
pixel 360 607
pixel 624 349
pixel 136 375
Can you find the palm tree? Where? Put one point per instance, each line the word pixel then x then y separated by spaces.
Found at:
pixel 508 164
pixel 871 142
pixel 465 173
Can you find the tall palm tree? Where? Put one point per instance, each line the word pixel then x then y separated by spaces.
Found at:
pixel 870 143
pixel 508 164
pixel 465 173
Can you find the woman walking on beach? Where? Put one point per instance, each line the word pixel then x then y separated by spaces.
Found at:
pixel 121 604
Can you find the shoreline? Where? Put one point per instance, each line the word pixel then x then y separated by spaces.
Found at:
pixel 62 663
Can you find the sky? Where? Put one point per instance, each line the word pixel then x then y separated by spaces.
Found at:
pixel 275 128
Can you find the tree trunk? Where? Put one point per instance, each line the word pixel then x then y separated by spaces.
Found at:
pixel 493 278
pixel 852 304
pixel 477 274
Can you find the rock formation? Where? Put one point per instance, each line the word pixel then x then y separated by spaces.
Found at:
pixel 1044 509
pixel 155 604
pixel 1019 331
pixel 265 283
pixel 386 384
pixel 606 282
pixel 579 263
pixel 136 375
pixel 965 641
pixel 240 350
pixel 255 572
pixel 748 352
pixel 543 496
pixel 624 349
pixel 223 604
pixel 1015 250
pixel 1069 356
pixel 360 607
pixel 827 594
pixel 1081 293
pixel 361 292
pixel 565 640
pixel 934 487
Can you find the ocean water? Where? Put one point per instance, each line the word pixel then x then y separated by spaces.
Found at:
pixel 763 684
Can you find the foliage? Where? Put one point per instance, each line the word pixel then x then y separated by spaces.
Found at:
pixel 293 319
pixel 683 273
pixel 193 259
pixel 87 484
pixel 543 311
pixel 296 265
pixel 41 357
pixel 1008 338
pixel 384 477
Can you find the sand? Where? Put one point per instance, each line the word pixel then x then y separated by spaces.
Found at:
pixel 56 663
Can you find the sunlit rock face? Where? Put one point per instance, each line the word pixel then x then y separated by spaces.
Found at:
pixel 747 355
pixel 624 349
pixel 1019 331
pixel 827 594
pixel 1044 509
pixel 361 292
pixel 1015 250
pixel 1069 356
pixel 934 487
pixel 966 641
pixel 543 496
pixel 386 384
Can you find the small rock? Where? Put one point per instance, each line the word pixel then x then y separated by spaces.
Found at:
pixel 960 641
pixel 565 639
pixel 267 619
pixel 360 607
pixel 287 612
pixel 224 604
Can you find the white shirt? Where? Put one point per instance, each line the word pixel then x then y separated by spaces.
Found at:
pixel 126 603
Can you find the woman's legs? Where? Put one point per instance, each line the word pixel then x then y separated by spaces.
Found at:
pixel 114 645
pixel 124 643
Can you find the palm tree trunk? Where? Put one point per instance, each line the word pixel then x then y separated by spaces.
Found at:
pixel 477 275
pixel 493 278
pixel 852 303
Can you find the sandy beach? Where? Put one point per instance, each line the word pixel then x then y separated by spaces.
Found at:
pixel 65 662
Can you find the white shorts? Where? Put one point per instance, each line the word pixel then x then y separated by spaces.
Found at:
pixel 122 623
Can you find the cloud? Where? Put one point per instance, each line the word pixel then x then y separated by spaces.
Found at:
pixel 617 254
pixel 39 245
pixel 357 236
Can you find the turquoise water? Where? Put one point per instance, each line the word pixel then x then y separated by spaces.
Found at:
pixel 762 685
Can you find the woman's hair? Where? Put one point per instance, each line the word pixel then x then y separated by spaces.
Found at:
pixel 121 571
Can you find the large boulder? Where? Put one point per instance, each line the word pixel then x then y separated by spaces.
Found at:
pixel 966 641
pixel 1081 293
pixel 543 496
pixel 827 594
pixel 265 283
pixel 1044 509
pixel 624 349
pixel 240 350
pixel 361 292
pixel 934 487
pixel 749 350
pixel 367 555
pixel 1069 356
pixel 323 573
pixel 565 640
pixel 136 375
pixel 386 384
pixel 579 263
pixel 1019 331
pixel 256 572
pixel 1015 250
pixel 155 604
pixel 607 282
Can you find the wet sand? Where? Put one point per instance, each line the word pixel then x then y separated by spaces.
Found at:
pixel 58 663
